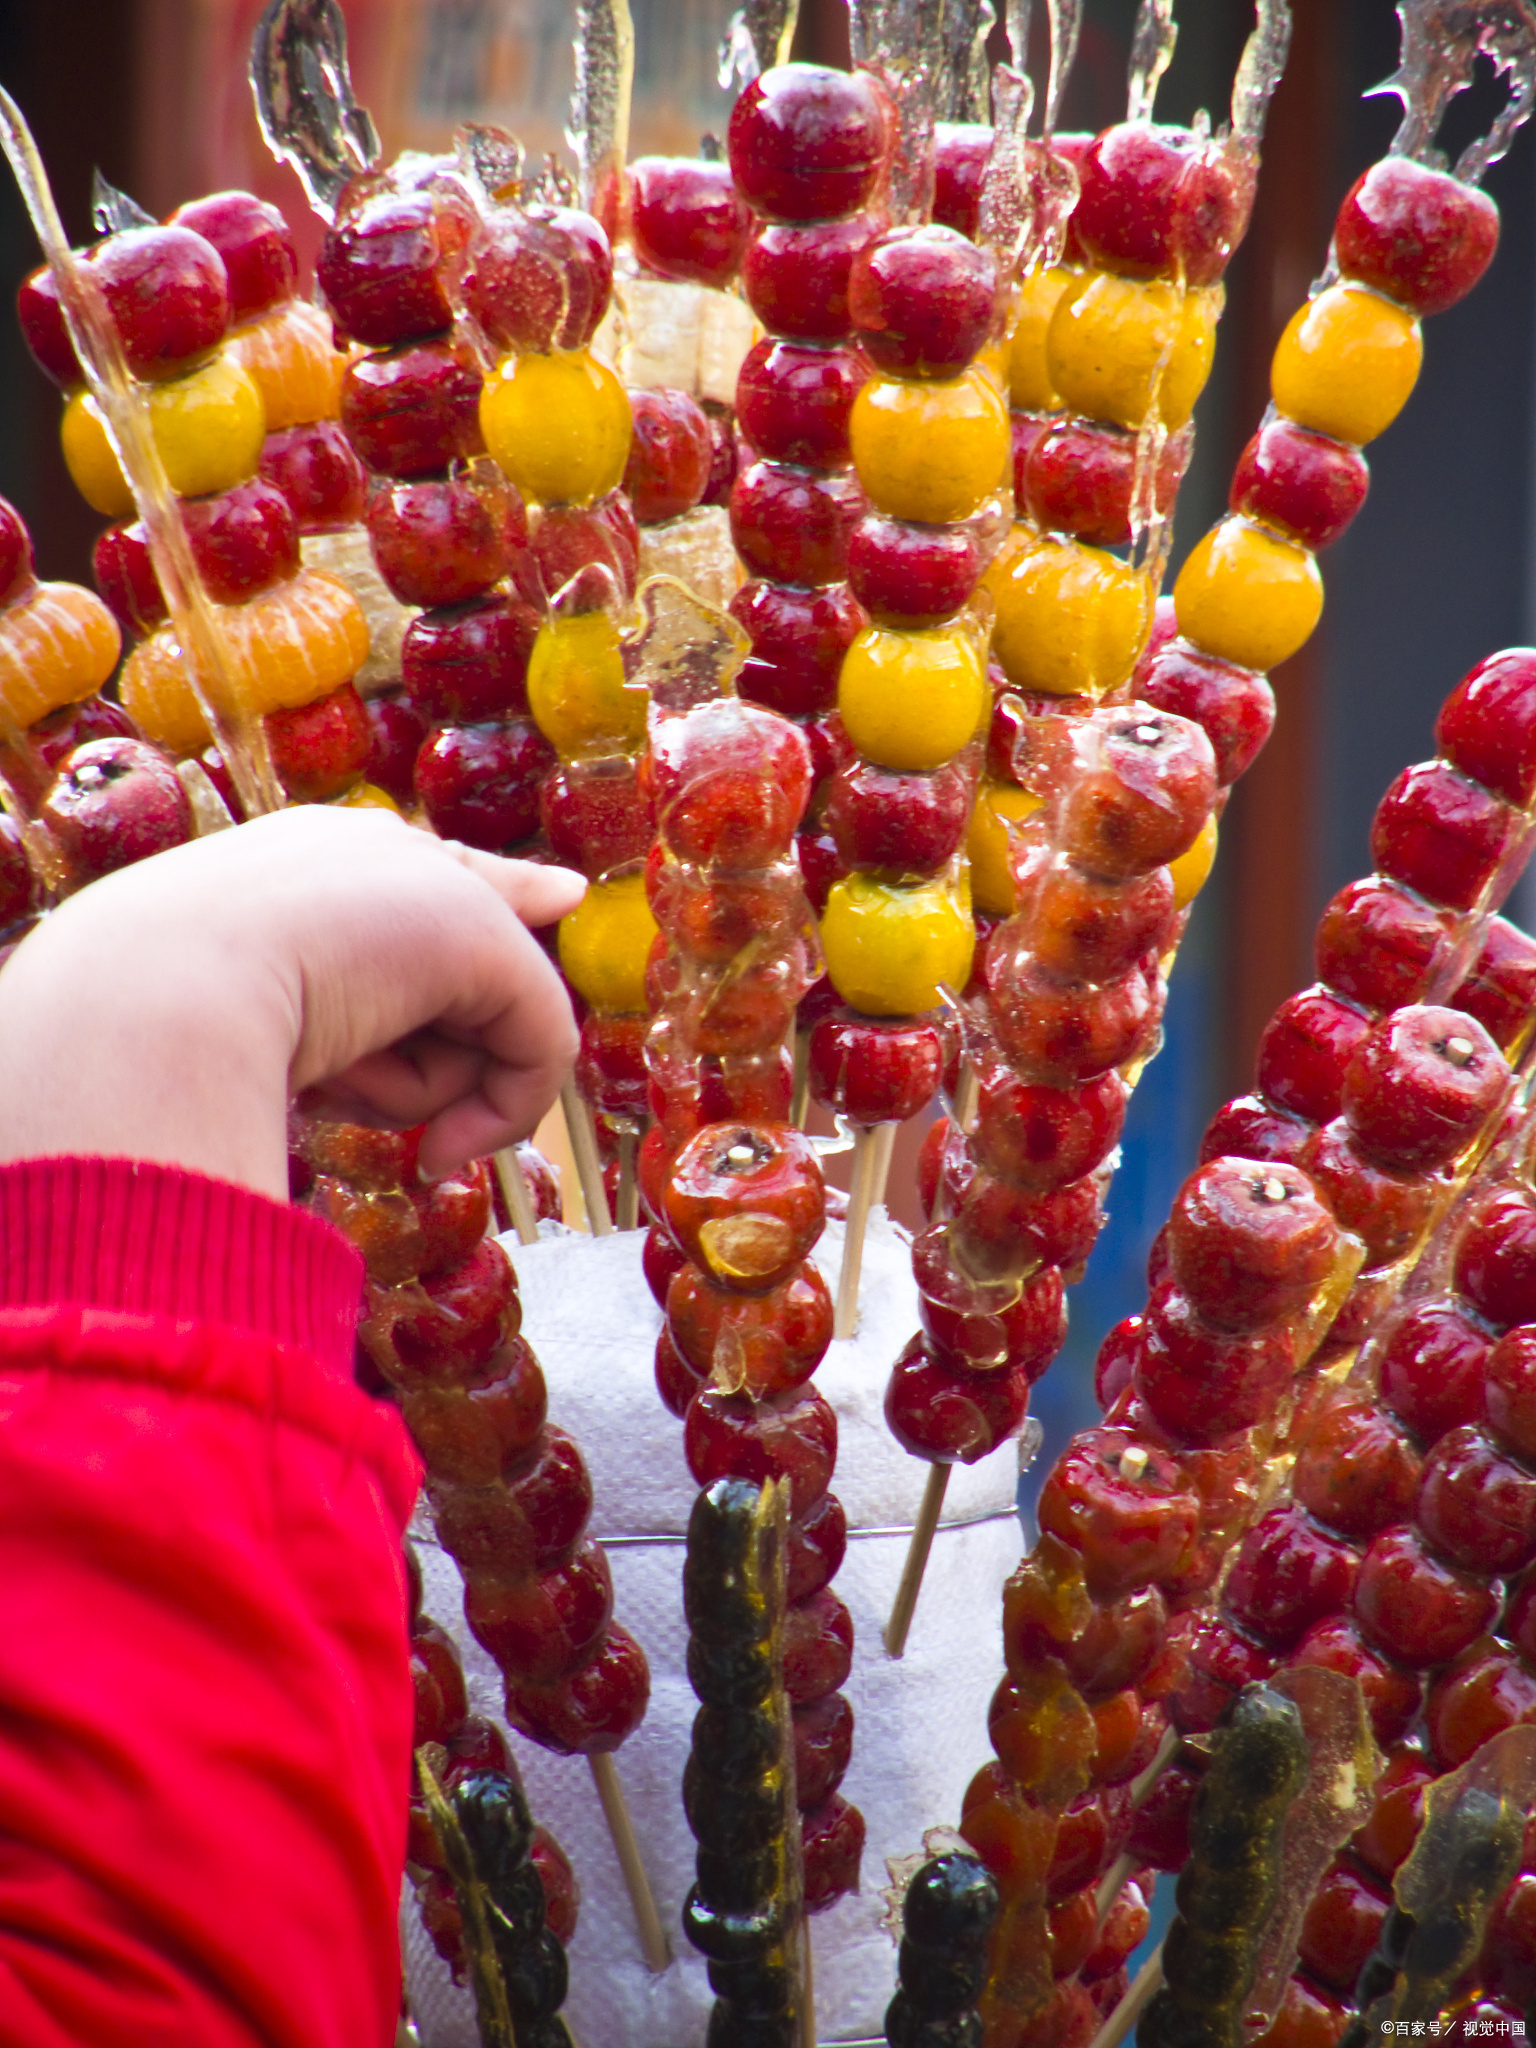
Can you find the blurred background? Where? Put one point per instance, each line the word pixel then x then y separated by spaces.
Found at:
pixel 1439 569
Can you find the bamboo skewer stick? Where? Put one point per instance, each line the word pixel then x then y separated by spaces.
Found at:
pixel 628 1205
pixel 589 1168
pixel 514 1190
pixel 800 1099
pixel 905 1603
pixel 872 1150
pixel 654 1945
pixel 1144 1987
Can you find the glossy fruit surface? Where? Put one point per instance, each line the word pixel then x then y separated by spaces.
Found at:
pixel 792 525
pixel 910 698
pixel 1029 375
pixel 686 218
pixel 1442 835
pixel 1416 234
pixel 906 574
pixel 242 540
pixel 730 784
pixel 897 824
pixel 605 943
pixel 1422 1085
pixel 255 245
pixel 384 267
pixel 480 783
pixel 443 540
pixel 1346 363
pixel 890 950
pixel 746 1203
pixel 318 471
pixel 540 279
pixel 320 749
pixel 415 409
pixel 469 662
pixel 1249 1244
pixel 796 275
pixel 1157 202
pixel 1304 1052
pixel 1116 348
pixel 922 301
pixel 808 143
pixel 559 425
pixel 1247 597
pixel 1496 1258
pixel 794 402
pixel 873 1072
pixel 1487 726
pixel 1500 987
pixel 799 638
pixel 167 293
pixel 1378 944
pixel 930 451
pixel 1090 929
pixel 578 690
pixel 1431 1370
pixel 208 425
pixel 1077 478
pixel 115 801
pixel 793 1437
pixel 1145 800
pixel 395 736
pixel 1307 485
pixel 43 328
pixel 1234 705
pixel 670 455
pixel 1071 620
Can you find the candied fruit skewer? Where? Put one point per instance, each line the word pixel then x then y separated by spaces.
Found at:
pixel 83 792
pixel 746 1911
pixel 509 1493
pixel 947 1916
pixel 734 1191
pixel 458 1742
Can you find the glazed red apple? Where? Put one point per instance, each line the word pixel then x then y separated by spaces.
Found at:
pixel 166 290
pixel 317 470
pixel 874 1070
pixel 796 275
pixel 322 748
pixel 1305 1049
pixel 961 152
pixel 794 402
pixel 1386 1209
pixel 910 575
pixel 395 736
pixel 1060 1035
pixel 1159 202
pixel 670 455
pixel 1432 1368
pixel 413 411
pixel 1145 799
pixel 255 246
pixel 1288 1575
pixel 793 525
pixel 1131 1525
pixel 1422 1085
pixel 1235 706
pixel 755 1344
pixel 745 1202
pixel 1308 485
pixel 1444 836
pixel 799 638
pixel 687 219
pixel 1500 988
pixel 1044 1138
pixel 570 538
pixel 1416 234
pixel 596 818
pixel 895 824
pixel 442 540
pixel 1249 1242
pixel 125 576
pixel 1496 1259
pixel 469 662
pixel 116 801
pixel 1085 929
pixel 44 330
pixel 730 784
pixel 1077 478
pixel 1379 945
pixel 1487 726
pixel 808 143
pixel 243 540
pixel 593 1712
pixel 480 783
pixel 791 1436
pixel 540 278
pixel 385 266
pixel 922 301
pixel 15 553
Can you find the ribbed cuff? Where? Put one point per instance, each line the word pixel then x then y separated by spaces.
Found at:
pixel 156 1240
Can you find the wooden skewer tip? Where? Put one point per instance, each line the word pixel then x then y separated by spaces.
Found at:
pixel 918 1546
pixel 654 1945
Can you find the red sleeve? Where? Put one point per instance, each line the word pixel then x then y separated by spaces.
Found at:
pixel 205 1705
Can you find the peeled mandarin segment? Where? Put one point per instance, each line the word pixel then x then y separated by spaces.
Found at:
pixel 931 451
pixel 577 691
pixel 295 642
pixel 289 358
pixel 1116 345
pixel 992 884
pixel 1191 870
pixel 208 426
pixel 1071 620
pixel 57 644
pixel 911 699
pixel 1029 376
pixel 157 695
pixel 1346 363
pixel 1247 597
pixel 888 949
pixel 605 943
pixel 559 425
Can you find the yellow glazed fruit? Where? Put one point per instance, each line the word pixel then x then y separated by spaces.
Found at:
pixel 1192 869
pixel 889 949
pixel 910 699
pixel 1108 340
pixel 577 691
pixel 58 644
pixel 559 425
pixel 1071 620
pixel 289 358
pixel 605 943
pixel 294 643
pixel 997 805
pixel 1346 363
pixel 208 426
pixel 366 796
pixel 1247 597
pixel 930 451
pixel 157 695
pixel 1029 378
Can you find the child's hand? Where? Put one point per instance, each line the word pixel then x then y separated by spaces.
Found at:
pixel 170 1011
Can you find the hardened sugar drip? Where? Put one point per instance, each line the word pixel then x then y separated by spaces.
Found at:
pixel 1152 44
pixel 1066 27
pixel 304 98
pixel 757 38
pixel 599 130
pixel 903 42
pixel 965 94
pixel 1441 42
pixel 1259 71
pixel 113 211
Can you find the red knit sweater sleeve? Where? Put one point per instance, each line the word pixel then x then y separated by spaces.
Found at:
pixel 205 1707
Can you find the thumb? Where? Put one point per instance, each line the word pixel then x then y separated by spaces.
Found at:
pixel 536 894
